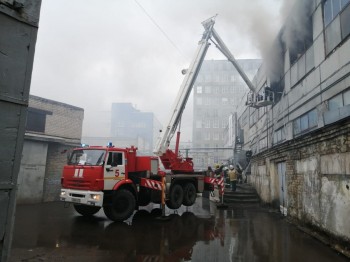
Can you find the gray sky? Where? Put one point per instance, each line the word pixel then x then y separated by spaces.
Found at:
pixel 92 53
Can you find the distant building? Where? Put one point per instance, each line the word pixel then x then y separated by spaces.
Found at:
pixel 52 129
pixel 130 125
pixel 217 93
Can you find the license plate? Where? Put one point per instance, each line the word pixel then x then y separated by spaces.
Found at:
pixel 75 200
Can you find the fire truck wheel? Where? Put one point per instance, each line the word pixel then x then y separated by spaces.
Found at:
pixel 175 197
pixel 86 210
pixel 144 196
pixel 190 194
pixel 122 206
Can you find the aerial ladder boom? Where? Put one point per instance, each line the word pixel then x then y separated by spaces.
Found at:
pixel 180 102
pixel 170 159
pixel 226 52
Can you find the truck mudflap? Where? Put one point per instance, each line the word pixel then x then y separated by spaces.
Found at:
pixel 91 198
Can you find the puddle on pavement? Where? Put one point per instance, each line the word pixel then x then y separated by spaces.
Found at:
pixel 198 233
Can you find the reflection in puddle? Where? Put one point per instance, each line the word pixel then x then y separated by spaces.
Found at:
pixel 199 233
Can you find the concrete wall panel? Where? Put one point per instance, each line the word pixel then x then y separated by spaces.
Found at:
pixel 335 208
pixel 336 164
pixel 9 130
pixel 32 172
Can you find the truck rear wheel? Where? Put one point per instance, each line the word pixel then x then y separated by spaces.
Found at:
pixel 190 194
pixel 176 196
pixel 144 196
pixel 86 210
pixel 121 207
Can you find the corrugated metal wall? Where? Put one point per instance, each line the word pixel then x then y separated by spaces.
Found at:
pixel 18 31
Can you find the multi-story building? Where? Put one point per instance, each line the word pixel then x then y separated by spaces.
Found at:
pixel 131 125
pixel 300 143
pixel 217 92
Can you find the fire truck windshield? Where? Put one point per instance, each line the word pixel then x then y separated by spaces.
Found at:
pixel 91 157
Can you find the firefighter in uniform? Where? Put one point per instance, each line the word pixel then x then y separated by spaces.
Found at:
pixel 232 174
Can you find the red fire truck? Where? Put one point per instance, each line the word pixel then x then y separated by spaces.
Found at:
pixel 119 181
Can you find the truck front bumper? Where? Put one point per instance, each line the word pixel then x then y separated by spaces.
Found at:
pixel 91 198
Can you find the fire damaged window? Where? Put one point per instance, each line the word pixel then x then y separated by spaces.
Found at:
pixel 336 18
pixel 36 120
pixel 298 33
pixel 302 41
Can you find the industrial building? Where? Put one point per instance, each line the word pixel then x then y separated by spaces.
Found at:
pixel 297 125
pixel 216 94
pixel 129 126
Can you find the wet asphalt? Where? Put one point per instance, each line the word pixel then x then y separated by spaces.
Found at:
pixel 203 232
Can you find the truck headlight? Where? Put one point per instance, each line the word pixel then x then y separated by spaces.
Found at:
pixel 63 193
pixel 95 197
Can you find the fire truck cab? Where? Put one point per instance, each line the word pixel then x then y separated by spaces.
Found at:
pixel 107 177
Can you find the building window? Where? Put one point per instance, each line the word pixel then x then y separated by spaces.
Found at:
pixel 263 143
pixel 198 123
pixel 216 136
pixel 338 101
pixel 199 89
pixel 216 123
pixel 207 78
pixel 207 123
pixel 279 135
pixel 207 136
pixel 207 89
pixel 199 101
pixel 346 95
pixel 207 101
pixel 253 119
pixel 336 18
pixel 332 8
pixel 224 123
pixel 305 122
pixel 335 102
pixel 36 120
pixel 301 41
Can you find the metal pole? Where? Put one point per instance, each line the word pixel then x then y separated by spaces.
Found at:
pixel 163 196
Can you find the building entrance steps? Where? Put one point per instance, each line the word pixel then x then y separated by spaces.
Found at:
pixel 244 193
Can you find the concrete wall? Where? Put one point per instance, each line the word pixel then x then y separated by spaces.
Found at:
pixel 317 178
pixel 18 30
pixel 56 159
pixel 32 172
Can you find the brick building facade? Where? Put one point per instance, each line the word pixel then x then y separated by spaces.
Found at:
pixel 52 129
